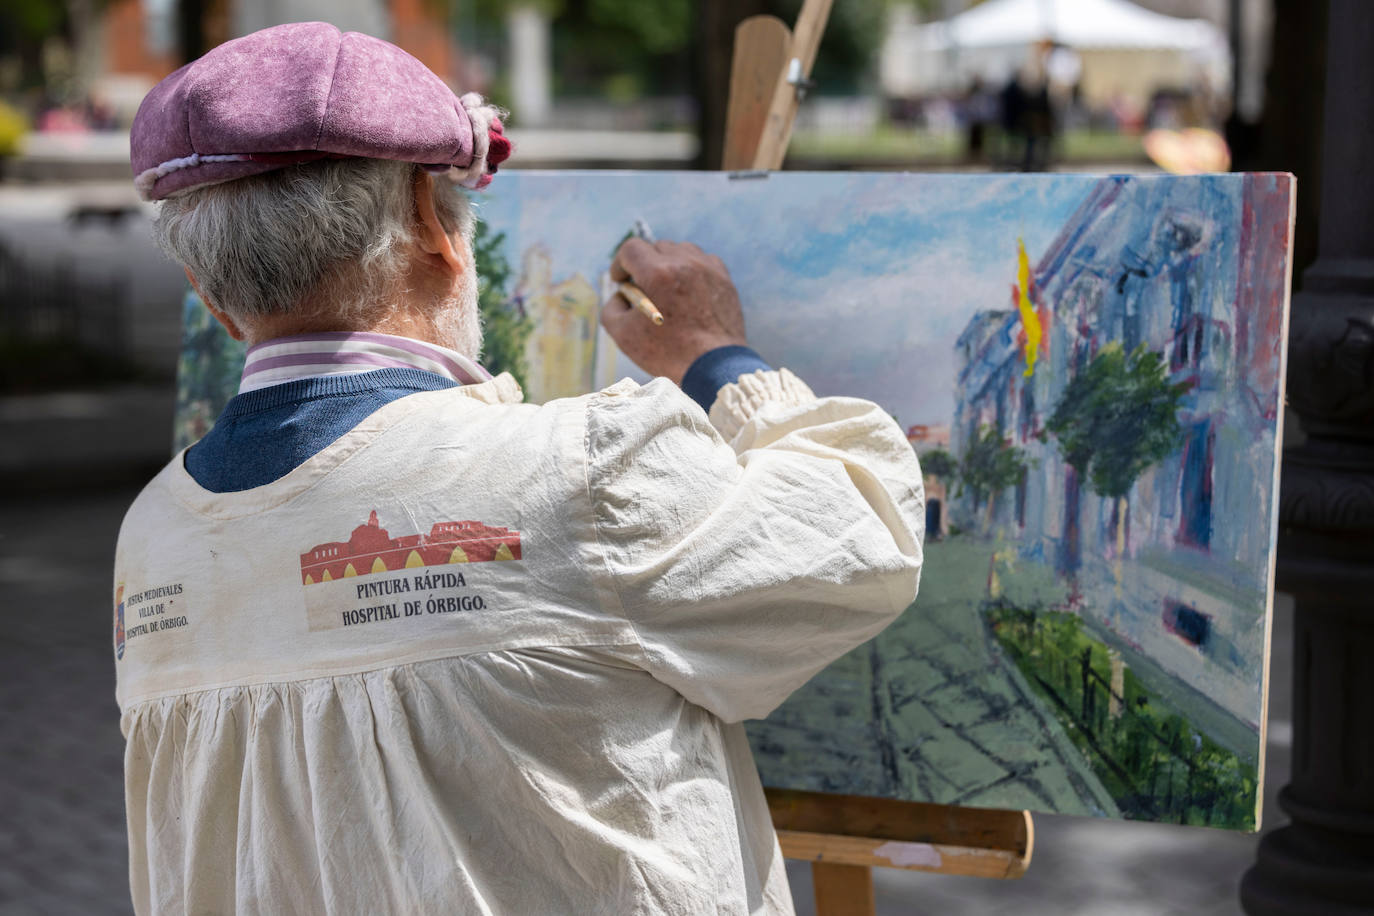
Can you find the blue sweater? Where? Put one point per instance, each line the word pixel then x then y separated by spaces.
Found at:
pixel 265 434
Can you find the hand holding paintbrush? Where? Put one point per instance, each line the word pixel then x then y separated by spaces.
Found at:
pixel 633 294
pixel 641 303
pixel 687 288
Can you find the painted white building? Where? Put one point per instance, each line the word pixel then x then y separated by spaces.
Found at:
pixel 1176 267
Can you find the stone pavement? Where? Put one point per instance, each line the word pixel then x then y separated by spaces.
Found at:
pixel 82 439
pixel 70 464
pixel 62 842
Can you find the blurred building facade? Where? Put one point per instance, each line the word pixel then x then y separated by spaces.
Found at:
pixel 141 41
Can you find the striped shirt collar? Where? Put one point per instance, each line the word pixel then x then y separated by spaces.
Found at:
pixel 286 359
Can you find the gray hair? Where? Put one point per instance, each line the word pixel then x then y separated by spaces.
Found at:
pixel 334 231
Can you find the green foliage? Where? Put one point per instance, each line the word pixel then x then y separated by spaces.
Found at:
pixel 643 46
pixel 620 48
pixel 939 463
pixel 26 29
pixel 504 328
pixel 1149 757
pixel 208 371
pixel 1117 417
pixel 990 464
pixel 853 36
pixel 33 19
pixel 658 26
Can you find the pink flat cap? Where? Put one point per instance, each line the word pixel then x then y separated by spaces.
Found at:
pixel 304 91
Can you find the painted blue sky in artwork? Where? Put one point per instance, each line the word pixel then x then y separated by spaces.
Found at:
pixel 858 282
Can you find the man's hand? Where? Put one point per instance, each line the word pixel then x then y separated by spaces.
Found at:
pixel 693 291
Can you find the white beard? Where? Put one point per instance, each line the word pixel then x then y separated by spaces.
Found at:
pixel 457 320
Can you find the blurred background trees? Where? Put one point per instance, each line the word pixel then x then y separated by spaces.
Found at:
pixel 899 84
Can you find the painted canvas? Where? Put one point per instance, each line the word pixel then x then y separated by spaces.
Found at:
pixel 1090 369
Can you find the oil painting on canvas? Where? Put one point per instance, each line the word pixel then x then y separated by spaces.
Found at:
pixel 1090 369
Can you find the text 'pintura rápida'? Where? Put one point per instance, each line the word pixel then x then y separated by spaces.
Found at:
pixel 424 583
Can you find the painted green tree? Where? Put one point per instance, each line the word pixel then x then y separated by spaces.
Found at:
pixel 505 327
pixel 1117 417
pixel 989 465
pixel 208 371
pixel 630 48
pixel 939 463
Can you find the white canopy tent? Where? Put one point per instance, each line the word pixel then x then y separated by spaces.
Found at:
pixel 1080 24
pixel 1125 48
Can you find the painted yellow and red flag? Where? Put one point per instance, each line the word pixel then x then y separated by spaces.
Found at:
pixel 1029 319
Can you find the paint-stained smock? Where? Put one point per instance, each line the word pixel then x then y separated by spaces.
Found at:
pixel 480 656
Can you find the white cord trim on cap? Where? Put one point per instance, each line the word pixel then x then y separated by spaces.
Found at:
pixel 480 115
pixel 148 177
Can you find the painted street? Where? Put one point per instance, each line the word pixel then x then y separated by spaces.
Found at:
pixel 954 720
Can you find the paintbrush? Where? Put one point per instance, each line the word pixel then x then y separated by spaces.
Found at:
pixel 633 294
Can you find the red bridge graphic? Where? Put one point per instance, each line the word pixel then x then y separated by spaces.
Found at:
pixel 370 550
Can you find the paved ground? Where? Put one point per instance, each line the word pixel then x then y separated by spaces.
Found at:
pixel 84 438
pixel 62 845
pixel 61 807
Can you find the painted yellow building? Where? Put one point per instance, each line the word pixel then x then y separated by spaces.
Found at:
pixel 562 346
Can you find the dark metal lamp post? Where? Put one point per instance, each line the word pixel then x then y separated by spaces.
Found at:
pixel 1323 862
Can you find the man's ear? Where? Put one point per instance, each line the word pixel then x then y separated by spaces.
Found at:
pixel 434 239
pixel 222 317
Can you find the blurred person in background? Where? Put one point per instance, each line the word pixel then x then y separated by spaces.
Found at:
pixel 1064 76
pixel 393 641
pixel 1027 114
pixel 979 111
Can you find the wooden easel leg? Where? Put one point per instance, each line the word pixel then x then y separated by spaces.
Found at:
pixel 842 890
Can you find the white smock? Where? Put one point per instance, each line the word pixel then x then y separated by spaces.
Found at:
pixel 480 656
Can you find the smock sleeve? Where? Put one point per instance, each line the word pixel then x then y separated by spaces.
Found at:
pixel 751 549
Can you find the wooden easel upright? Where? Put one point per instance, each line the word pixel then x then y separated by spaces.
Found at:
pixel 844 836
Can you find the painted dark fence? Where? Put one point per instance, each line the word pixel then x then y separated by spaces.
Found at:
pixel 1153 761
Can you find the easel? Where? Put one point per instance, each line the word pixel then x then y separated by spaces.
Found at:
pixel 844 836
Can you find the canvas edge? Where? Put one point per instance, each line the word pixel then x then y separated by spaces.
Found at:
pixel 1267 678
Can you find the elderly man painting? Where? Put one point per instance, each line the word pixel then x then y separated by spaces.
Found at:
pixel 405 644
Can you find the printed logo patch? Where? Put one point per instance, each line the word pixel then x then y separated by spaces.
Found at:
pixel 151 611
pixel 374 577
pixel 119 622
